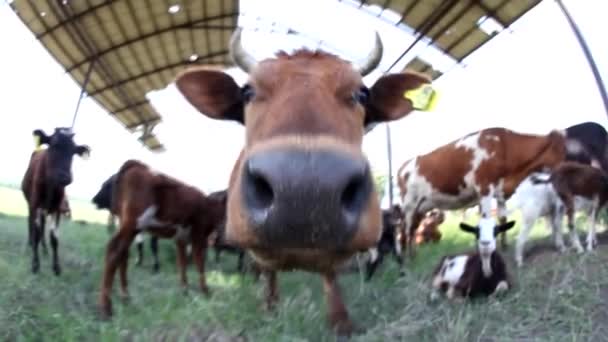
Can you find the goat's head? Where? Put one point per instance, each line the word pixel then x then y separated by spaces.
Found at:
pixel 486 232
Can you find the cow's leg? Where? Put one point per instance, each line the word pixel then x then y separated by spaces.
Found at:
pixel 199 251
pixel 528 223
pixel 123 267
pixel 154 250
pixel 218 250
pixel 501 208
pixel 555 219
pixel 41 229
pixel 34 223
pixel 54 232
pixel 375 258
pixel 182 263
pixel 569 206
pixel 241 262
pixel 272 291
pixel 139 242
pixel 591 240
pixel 338 315
pixel 116 251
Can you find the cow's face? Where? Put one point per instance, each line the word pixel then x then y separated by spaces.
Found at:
pixel 61 149
pixel 302 181
pixel 485 233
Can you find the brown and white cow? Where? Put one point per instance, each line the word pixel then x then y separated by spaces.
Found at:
pixel 43 185
pixel 301 195
pixel 147 201
pixel 475 169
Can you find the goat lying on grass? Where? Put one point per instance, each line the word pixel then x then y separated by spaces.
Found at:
pixel 482 272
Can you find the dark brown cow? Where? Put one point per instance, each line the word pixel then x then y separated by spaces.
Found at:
pixel 146 201
pixel 475 169
pixel 572 179
pixel 48 173
pixel 301 195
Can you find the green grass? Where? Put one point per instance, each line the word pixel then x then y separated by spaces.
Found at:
pixel 557 298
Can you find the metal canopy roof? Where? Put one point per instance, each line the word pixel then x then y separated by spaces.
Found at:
pixel 455 27
pixel 133 46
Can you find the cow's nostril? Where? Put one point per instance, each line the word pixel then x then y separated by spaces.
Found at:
pixel 260 194
pixel 354 195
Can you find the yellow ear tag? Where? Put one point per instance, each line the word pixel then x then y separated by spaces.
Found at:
pixel 424 98
pixel 37 146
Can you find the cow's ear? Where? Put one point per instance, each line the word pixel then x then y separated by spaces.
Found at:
pixel 40 137
pixel 389 97
pixel 213 93
pixel 83 150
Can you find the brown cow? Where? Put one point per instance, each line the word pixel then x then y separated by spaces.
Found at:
pixel 572 179
pixel 162 206
pixel 301 195
pixel 48 173
pixel 428 230
pixel 481 166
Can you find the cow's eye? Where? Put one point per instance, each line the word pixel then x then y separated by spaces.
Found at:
pixel 248 93
pixel 361 95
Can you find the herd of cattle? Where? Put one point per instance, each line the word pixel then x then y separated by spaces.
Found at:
pixel 301 194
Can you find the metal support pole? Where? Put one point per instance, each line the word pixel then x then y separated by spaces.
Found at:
pixel 581 40
pixel 389 151
pixel 83 90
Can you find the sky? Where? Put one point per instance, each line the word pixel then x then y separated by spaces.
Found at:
pixel 531 78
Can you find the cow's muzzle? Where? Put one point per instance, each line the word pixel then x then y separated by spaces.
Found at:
pixel 305 199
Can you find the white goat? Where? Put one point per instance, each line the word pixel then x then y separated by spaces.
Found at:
pixel 541 200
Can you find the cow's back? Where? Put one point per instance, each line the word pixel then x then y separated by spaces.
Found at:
pixel 526 153
pixel 177 201
pixel 444 169
pixel 133 188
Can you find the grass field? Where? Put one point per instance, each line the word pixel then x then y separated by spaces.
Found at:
pixel 556 298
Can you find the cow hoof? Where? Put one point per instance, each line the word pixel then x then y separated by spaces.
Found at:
pixel 125 297
pixel 155 268
pixel 57 270
pixel 345 329
pixel 105 312
pixel 35 267
pixel 206 291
